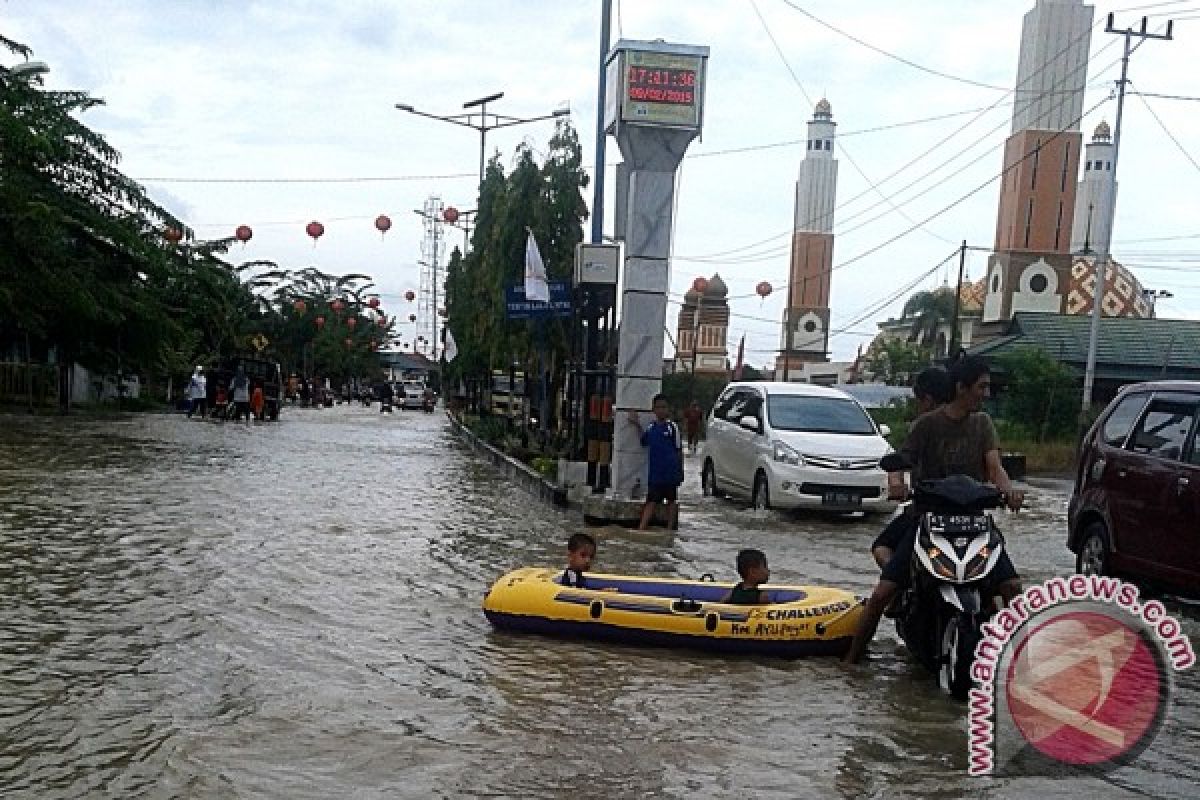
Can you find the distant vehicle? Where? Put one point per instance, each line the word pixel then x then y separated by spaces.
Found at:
pixel 1135 510
pixel 795 445
pixel 261 372
pixel 413 397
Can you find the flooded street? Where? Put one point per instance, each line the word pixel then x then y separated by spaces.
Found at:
pixel 193 609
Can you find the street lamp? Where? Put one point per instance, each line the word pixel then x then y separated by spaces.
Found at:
pixel 29 70
pixel 482 121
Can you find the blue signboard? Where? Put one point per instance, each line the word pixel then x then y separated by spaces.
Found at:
pixel 517 307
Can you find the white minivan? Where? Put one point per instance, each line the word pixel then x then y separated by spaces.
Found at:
pixel 795 445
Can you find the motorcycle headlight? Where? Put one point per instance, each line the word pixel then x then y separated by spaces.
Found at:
pixel 786 454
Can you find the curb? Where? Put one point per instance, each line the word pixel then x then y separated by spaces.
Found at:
pixel 523 476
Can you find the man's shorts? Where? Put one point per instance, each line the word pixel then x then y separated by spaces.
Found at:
pixel 901 525
pixel 662 492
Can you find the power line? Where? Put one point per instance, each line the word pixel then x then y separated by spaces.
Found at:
pixel 1167 131
pixel 841 146
pixel 781 249
pixel 893 56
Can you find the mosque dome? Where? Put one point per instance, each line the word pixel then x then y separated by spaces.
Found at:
pixel 823 109
pixel 1103 132
pixel 1123 293
pixel 716 288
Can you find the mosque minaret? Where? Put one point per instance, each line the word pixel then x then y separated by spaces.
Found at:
pixel 806 319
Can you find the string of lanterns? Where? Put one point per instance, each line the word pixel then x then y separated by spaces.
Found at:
pixel 314 229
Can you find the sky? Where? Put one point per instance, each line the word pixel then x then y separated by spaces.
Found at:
pixel 272 113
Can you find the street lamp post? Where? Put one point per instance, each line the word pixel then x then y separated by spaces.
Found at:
pixel 482 121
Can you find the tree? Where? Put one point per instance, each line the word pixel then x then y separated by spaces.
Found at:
pixel 929 311
pixel 895 361
pixel 547 200
pixel 1040 394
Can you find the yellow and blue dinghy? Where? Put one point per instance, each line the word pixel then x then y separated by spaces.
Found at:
pixel 800 620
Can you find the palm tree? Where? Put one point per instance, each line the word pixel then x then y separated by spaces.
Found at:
pixel 929 310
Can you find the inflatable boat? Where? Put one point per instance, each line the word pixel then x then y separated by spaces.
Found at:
pixel 799 621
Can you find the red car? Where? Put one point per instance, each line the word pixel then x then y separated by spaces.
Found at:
pixel 1135 511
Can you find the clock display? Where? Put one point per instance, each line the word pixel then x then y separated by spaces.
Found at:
pixel 662 85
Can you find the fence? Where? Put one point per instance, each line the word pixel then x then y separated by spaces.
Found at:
pixel 18 380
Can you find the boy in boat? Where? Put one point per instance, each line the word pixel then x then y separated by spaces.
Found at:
pixel 752 566
pixel 581 549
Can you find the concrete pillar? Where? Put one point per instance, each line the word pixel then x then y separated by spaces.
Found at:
pixel 652 156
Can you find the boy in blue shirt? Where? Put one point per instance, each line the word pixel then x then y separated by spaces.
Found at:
pixel 664 460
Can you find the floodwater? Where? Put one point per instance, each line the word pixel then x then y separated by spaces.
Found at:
pixel 193 609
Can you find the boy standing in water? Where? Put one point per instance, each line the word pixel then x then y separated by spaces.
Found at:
pixel 581 549
pixel 664 460
pixel 752 566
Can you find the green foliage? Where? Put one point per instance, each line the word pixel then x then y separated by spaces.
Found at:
pixel 896 361
pixel 898 417
pixel 545 466
pixel 86 268
pixel 1041 396
pixel 928 311
pixel 547 200
pixel 681 388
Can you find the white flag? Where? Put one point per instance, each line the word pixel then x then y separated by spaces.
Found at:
pixel 451 347
pixel 535 273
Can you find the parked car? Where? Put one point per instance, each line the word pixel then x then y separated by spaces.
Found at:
pixel 795 445
pixel 1135 511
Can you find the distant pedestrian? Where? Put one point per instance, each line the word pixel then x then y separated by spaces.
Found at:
pixel 220 403
pixel 198 393
pixel 691 421
pixel 664 462
pixel 257 401
pixel 241 394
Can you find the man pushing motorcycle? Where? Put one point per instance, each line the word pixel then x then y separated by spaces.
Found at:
pixel 956 439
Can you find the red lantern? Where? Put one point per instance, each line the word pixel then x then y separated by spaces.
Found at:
pixel 450 214
pixel 763 289
pixel 173 235
pixel 300 306
pixel 383 224
pixel 410 295
pixel 337 306
pixel 350 323
pixel 243 234
pixel 699 285
pixel 320 322
pixel 373 302
pixel 316 230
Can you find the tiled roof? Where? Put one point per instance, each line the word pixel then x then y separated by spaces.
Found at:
pixel 1126 347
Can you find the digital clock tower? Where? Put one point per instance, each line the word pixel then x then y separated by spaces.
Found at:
pixel 654 105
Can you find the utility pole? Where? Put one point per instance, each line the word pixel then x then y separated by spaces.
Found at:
pixel 601 136
pixel 1104 256
pixel 952 350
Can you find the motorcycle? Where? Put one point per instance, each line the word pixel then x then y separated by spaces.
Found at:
pixel 955 552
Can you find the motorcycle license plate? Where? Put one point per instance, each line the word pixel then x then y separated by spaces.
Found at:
pixel 841 499
pixel 959 523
